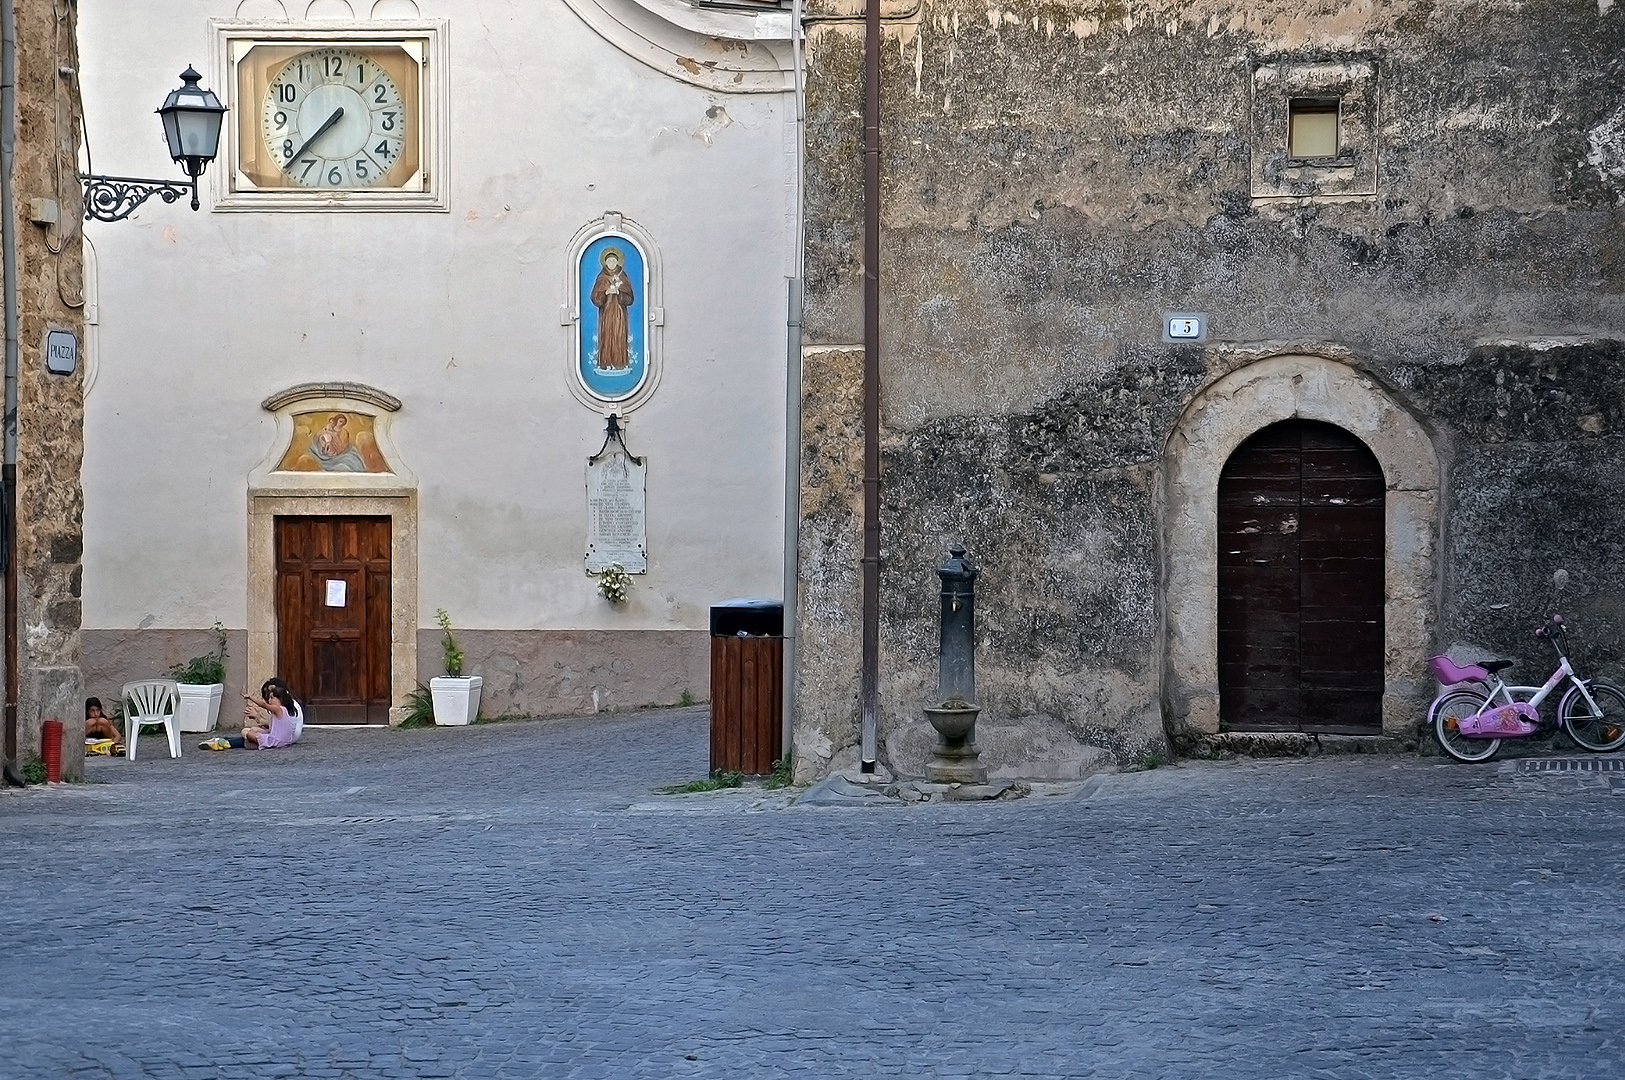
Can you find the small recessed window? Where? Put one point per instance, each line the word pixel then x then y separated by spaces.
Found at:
pixel 1312 130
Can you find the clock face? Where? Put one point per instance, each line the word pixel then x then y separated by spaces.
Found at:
pixel 333 118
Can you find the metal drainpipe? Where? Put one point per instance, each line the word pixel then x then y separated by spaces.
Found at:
pixel 8 268
pixel 869 687
pixel 792 504
pixel 792 404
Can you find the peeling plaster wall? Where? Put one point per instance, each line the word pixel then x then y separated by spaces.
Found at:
pixel 1055 176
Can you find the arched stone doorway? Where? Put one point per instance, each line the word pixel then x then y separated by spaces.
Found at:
pixel 1301 582
pixel 289 569
pixel 1222 416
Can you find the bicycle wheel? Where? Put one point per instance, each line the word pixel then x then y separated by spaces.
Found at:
pixel 1599 730
pixel 1447 713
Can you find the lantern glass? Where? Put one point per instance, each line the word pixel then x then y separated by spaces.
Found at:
pixel 192 117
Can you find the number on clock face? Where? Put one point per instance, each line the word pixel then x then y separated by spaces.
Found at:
pixel 334 119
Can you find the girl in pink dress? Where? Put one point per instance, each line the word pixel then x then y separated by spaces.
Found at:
pixel 281 724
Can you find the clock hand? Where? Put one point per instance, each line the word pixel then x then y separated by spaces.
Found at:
pixel 318 133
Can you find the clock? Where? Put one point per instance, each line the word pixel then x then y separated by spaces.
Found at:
pixel 347 118
pixel 333 118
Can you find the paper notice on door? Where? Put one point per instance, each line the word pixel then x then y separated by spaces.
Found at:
pixel 335 593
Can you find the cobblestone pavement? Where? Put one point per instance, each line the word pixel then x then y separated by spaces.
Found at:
pixel 512 901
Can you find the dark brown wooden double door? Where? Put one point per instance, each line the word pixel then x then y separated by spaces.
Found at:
pixel 332 607
pixel 1301 542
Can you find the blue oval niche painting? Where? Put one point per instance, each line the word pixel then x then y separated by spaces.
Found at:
pixel 612 355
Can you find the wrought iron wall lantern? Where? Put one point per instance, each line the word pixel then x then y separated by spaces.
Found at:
pixel 192 117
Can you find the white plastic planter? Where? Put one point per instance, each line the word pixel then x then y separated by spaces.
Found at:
pixel 456 701
pixel 197 708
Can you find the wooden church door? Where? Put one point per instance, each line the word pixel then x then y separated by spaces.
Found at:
pixel 1301 550
pixel 333 613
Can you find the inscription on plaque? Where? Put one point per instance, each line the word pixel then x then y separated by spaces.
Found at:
pixel 616 523
pixel 61 352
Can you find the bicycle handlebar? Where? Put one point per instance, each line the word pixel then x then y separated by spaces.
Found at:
pixel 1555 631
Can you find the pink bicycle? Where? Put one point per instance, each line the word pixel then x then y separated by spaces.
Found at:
pixel 1470 722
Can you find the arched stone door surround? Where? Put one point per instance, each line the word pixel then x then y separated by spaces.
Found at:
pixel 1218 419
pixel 277 492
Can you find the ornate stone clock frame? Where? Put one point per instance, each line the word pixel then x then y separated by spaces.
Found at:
pixel 425 41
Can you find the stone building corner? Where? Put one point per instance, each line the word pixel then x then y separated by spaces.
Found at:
pixel 50 414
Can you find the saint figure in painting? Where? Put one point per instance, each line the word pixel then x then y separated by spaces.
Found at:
pixel 332 450
pixel 612 295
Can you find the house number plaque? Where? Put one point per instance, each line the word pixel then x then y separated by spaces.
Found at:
pixel 1184 326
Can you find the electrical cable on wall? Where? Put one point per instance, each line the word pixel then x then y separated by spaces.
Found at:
pixel 76 109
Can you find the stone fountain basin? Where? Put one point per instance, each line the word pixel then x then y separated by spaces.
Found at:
pixel 953 719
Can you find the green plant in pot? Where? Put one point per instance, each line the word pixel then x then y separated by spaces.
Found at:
pixel 419 709
pixel 201 682
pixel 456 696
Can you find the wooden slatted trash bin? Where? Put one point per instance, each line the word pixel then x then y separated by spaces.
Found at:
pixel 747 686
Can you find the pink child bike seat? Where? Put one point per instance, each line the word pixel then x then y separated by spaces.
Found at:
pixel 1447 672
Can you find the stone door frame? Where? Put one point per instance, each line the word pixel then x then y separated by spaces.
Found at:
pixel 400 505
pixel 1218 419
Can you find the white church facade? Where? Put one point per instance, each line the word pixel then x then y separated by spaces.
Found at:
pixel 482 298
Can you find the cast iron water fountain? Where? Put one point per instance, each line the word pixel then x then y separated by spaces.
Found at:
pixel 955 760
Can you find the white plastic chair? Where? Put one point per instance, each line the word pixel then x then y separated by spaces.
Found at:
pixel 147 704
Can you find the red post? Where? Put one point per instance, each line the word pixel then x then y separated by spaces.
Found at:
pixel 50 741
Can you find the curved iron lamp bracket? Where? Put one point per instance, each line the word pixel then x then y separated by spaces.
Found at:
pixel 114 198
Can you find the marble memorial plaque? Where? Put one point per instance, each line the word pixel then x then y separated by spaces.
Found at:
pixel 616 522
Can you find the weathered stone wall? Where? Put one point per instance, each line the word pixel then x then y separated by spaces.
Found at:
pixel 526 672
pixel 830 550
pixel 115 657
pixel 1058 175
pixel 50 415
pixel 576 672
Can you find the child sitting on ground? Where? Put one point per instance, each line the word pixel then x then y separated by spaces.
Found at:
pixel 273 719
pixel 275 722
pixel 98 726
pixel 101 736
